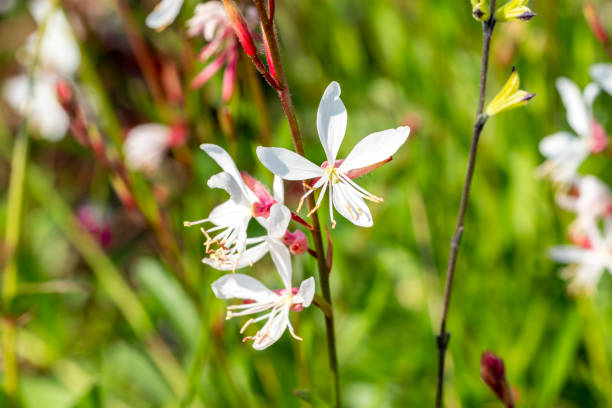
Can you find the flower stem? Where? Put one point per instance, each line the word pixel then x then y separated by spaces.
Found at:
pixel 285 98
pixel 443 336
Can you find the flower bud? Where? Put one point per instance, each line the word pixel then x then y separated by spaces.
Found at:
pixel 240 27
pixel 297 242
pixel 590 15
pixel 481 10
pixel 514 10
pixel 493 373
pixel 509 97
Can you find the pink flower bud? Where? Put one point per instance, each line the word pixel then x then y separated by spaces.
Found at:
pixel 493 373
pixel 296 241
pixel 64 94
pixel 240 27
pixel 590 15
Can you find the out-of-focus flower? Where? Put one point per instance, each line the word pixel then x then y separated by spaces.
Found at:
pixel 493 373
pixel 602 74
pixel 586 263
pixel 38 101
pixel 94 219
pixel 589 198
pixel 565 151
pixel 510 97
pixel 227 258
pixel 346 196
pixel 481 10
pixel 145 145
pixel 259 298
pixel 211 21
pixel 164 14
pixel 514 10
pixel 58 56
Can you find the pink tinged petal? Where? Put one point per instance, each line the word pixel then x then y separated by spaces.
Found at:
pixel 224 160
pixel 229 77
pixel 164 14
pixel 278 190
pixel 287 164
pixel 599 138
pixel 602 74
pixel 331 121
pixel 279 219
pixel 282 260
pixel 577 113
pixel 210 70
pixel 375 148
pixel 350 205
pixel 237 285
pixel 306 291
pixel 272 330
pixel 211 48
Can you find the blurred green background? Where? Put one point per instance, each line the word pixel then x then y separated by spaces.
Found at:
pixel 130 326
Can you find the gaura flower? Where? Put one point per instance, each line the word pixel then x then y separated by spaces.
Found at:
pixel 259 298
pixel 563 150
pixel 602 75
pixel 145 145
pixel 226 259
pixel 211 21
pixel 347 197
pixel 510 97
pixel 589 198
pixel 164 14
pixel 587 262
pixel 514 10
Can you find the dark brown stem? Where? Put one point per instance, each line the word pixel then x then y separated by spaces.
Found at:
pixel 443 336
pixel 283 92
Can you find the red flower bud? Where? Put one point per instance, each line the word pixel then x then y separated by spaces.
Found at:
pixel 240 27
pixel 493 373
pixel 590 14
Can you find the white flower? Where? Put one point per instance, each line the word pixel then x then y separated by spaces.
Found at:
pixel 276 226
pixel 232 217
pixel 145 146
pixel 346 196
pixel 260 299
pixel 39 103
pixel 587 263
pixel 164 14
pixel 563 150
pixel 602 74
pixel 590 199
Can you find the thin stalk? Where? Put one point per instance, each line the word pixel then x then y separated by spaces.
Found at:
pixel 285 98
pixel 443 336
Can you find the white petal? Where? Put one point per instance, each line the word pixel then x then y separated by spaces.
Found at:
pixel 225 181
pixel 307 291
pixel 577 114
pixel 287 164
pixel 568 254
pixel 237 285
pixel 602 73
pixel 145 146
pixel 278 190
pixel 274 329
pixel 375 148
pixel 331 121
pixel 557 144
pixel 350 205
pixel 282 260
pixel 224 160
pixel 164 14
pixel 229 213
pixel 278 221
pixel 591 92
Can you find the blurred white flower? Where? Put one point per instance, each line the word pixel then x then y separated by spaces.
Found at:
pixel 587 263
pixel 145 146
pixel 40 103
pixel 565 151
pixel 164 14
pixel 602 74
pixel 259 298
pixel 589 197
pixel 346 196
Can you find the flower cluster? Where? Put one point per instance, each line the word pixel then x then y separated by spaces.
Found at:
pixel 228 246
pixel 587 197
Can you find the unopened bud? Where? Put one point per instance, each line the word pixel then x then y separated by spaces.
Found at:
pixel 297 242
pixel 493 373
pixel 481 10
pixel 590 14
pixel 509 97
pixel 64 94
pixel 514 10
pixel 240 27
pixel 178 135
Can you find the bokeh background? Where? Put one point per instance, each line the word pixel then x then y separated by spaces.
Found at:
pixel 126 318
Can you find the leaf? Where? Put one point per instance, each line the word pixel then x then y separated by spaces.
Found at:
pixel 309 397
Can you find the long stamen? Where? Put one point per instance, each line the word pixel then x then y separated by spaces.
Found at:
pixel 362 192
pixel 321 194
pixel 192 223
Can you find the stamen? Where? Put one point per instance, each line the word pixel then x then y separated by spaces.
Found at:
pixel 348 207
